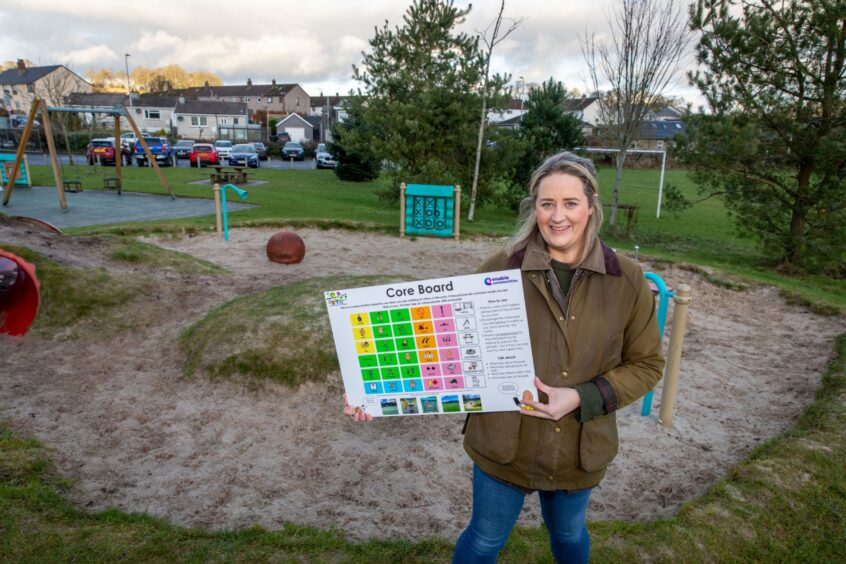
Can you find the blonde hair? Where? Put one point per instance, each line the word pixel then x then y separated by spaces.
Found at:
pixel 561 163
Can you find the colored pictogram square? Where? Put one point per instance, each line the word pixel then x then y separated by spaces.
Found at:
pixel 430 370
pixel 451 368
pixel 379 317
pixel 367 361
pixel 450 404
pixel 426 342
pixel 441 310
pixel 454 383
pixel 429 404
pixel 380 331
pixel 449 354
pixel 406 344
pixel 362 333
pixel 365 347
pixel 368 374
pixel 444 326
pixel 408 357
pixel 447 340
pixel 433 383
pixel 388 359
pixel 410 371
pixel 359 319
pixel 392 386
pixel 373 387
pixel 400 315
pixel 428 355
pixel 409 405
pixel 390 373
pixel 403 330
pixel 421 312
pixel 414 385
pixel 423 328
pixel 385 345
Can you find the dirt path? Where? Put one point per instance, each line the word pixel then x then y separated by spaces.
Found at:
pixel 138 436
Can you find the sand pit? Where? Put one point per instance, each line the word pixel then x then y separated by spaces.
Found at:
pixel 137 435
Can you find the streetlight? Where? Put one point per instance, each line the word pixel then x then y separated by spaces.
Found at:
pixel 128 87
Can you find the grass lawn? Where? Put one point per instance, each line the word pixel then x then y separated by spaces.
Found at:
pixel 702 235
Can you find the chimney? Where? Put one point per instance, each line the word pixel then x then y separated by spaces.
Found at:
pixel 182 99
pixel 207 84
pixel 249 82
pixel 273 82
pixel 21 66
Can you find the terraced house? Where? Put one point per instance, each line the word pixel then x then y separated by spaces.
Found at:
pixel 53 83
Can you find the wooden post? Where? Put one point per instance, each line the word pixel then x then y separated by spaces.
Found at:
pixel 150 156
pixel 33 111
pixel 118 152
pixel 457 213
pixel 218 210
pixel 681 301
pixel 402 210
pixel 54 157
pixel 28 174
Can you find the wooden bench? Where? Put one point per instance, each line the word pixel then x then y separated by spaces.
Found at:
pixel 222 175
pixel 73 186
pixel 112 183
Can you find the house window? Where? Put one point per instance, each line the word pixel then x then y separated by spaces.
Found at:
pixel 30 88
pixel 223 121
pixel 234 121
pixel 198 120
pixel 152 114
pixel 659 145
pixel 270 100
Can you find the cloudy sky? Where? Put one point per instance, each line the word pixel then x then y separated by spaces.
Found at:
pixel 311 43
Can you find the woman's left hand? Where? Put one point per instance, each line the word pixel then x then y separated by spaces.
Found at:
pixel 561 402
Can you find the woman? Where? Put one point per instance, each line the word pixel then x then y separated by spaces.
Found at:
pixel 596 348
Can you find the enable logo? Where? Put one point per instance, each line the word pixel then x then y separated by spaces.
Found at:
pixel 499 280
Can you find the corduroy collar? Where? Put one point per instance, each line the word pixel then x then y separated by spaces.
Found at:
pixel 601 258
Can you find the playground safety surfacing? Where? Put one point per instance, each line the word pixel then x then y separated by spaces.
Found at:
pixel 95 207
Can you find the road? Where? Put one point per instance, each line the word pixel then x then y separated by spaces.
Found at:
pixel 274 163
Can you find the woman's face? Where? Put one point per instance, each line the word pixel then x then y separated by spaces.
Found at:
pixel 562 211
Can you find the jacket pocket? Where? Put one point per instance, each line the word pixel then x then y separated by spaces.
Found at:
pixel 598 443
pixel 495 436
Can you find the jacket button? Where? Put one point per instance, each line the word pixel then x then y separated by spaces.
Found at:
pixel 550 478
pixel 561 318
pixel 558 429
pixel 564 374
pixel 572 318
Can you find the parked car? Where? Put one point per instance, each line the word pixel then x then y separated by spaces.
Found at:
pixel 159 147
pixel 222 147
pixel 204 154
pixel 281 137
pixel 323 158
pixel 245 155
pixel 101 150
pixel 128 137
pixel 293 150
pixel 261 149
pixel 182 148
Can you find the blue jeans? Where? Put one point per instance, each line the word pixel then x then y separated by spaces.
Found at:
pixel 496 506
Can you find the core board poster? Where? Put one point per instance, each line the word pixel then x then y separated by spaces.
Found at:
pixel 447 345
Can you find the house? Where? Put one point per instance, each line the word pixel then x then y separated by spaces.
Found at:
pixel 298 127
pixel 92 100
pixel 657 134
pixel 153 113
pixel 206 120
pixel 273 99
pixel 586 109
pixel 22 84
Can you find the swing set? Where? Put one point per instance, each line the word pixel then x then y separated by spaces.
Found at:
pixel 117 112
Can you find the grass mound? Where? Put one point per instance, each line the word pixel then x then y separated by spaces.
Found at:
pixel 282 334
pixel 137 252
pixel 73 296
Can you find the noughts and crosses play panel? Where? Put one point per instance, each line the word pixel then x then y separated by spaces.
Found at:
pixel 449 345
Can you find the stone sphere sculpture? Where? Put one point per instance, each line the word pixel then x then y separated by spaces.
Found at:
pixel 285 247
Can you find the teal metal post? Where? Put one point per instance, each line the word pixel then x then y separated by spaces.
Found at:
pixel 664 295
pixel 241 194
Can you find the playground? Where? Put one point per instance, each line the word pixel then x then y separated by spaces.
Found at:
pixel 135 433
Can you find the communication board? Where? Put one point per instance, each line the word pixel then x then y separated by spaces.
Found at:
pixel 447 345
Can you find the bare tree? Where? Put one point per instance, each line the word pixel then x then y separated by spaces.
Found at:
pixel 646 50
pixel 54 89
pixel 496 37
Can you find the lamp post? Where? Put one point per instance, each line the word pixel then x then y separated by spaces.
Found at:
pixel 128 87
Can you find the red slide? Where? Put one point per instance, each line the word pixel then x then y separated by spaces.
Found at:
pixel 19 294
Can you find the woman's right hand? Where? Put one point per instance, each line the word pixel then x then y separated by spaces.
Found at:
pixel 357 413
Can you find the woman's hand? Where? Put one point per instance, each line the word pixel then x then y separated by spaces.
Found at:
pixel 357 413
pixel 561 402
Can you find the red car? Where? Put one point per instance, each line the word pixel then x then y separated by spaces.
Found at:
pixel 203 153
pixel 102 150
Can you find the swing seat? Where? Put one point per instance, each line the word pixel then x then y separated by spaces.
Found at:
pixel 73 186
pixel 112 183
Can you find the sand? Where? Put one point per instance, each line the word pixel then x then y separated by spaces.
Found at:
pixel 135 434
